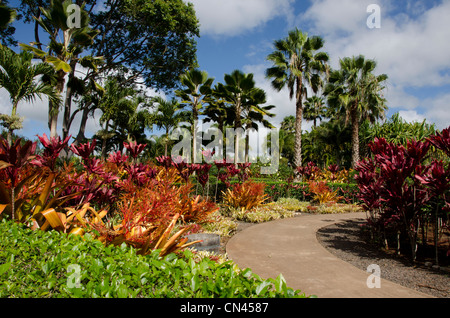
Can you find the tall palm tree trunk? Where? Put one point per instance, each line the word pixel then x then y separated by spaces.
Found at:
pixel 167 142
pixel 298 125
pixel 81 131
pixel 247 145
pixel 237 126
pixel 53 109
pixel 194 134
pixel 355 135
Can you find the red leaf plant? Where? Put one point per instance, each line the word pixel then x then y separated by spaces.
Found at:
pixel 52 149
pixel 390 189
pixel 13 175
pixel 134 148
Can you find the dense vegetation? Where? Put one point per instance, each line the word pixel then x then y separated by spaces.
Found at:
pixel 120 206
pixel 50 264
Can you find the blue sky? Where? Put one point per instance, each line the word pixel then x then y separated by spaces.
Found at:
pixel 412 47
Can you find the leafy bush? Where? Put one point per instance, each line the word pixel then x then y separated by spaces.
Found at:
pixel 322 193
pixel 401 189
pixel 333 174
pixel 246 196
pixel 347 192
pixel 39 264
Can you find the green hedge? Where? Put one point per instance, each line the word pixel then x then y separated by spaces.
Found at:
pixel 300 191
pixel 283 189
pixel 38 264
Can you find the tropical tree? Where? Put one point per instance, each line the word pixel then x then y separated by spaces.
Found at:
pixel 88 100
pixel 296 63
pixel 197 89
pixel 167 116
pixel 335 134
pixel 218 112
pixel 131 121
pixel 20 77
pixel 287 138
pixel 356 93
pixel 7 16
pixel 115 98
pixel 241 93
pixel 66 44
pixel 154 40
pixel 315 109
pixel 253 114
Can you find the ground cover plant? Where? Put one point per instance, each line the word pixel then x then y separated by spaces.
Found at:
pixel 44 264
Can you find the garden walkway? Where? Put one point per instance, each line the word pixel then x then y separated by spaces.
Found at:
pixel 290 247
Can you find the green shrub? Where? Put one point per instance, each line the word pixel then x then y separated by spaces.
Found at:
pixel 301 191
pixel 38 264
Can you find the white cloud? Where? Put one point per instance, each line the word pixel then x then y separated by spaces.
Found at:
pixel 411 47
pixel 234 17
pixel 411 51
pixel 411 116
pixel 437 110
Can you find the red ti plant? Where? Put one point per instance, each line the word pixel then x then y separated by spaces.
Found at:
pixel 84 150
pixel 184 170
pixel 309 171
pixel 118 159
pixel 165 161
pixel 13 158
pixel 387 182
pixel 52 149
pixel 441 141
pixel 334 168
pixel 134 148
pixel 243 173
pixel 96 184
pixel 202 173
pixel 437 180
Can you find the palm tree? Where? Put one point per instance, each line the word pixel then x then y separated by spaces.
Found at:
pixel 88 100
pixel 168 115
pixel 356 92
pixel 337 135
pixel 18 75
pixel 297 63
pixel 240 92
pixel 287 138
pixel 63 52
pixel 115 98
pixel 7 16
pixel 315 109
pixel 253 113
pixel 217 111
pixel 197 89
pixel 131 121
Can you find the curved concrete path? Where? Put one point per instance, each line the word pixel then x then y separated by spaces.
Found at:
pixel 290 247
